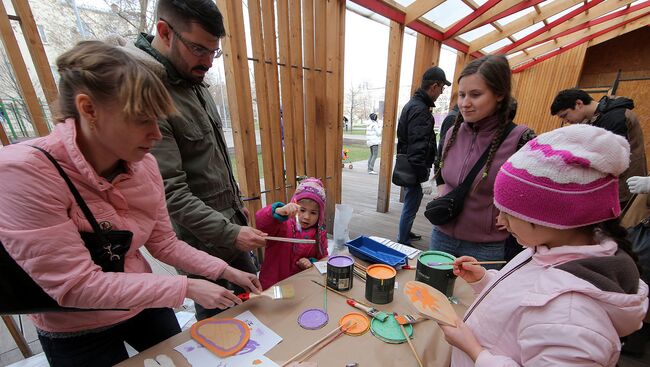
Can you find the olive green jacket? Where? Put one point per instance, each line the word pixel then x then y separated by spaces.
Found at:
pixel 203 198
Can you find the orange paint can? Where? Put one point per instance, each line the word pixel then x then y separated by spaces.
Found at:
pixel 380 283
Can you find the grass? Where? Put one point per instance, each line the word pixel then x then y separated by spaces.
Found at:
pixel 355 131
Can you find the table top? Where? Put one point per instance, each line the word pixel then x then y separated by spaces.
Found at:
pixel 366 350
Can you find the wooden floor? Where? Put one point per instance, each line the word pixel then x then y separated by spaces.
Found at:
pixel 360 192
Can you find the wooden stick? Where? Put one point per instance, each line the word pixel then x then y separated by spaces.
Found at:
pixel 471 262
pixel 339 293
pixel 359 266
pixel 288 239
pixel 341 328
pixel 408 340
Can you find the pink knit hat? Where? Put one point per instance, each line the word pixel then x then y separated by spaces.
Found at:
pixel 312 188
pixel 566 178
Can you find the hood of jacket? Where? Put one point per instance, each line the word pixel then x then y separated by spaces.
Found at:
pixel 609 277
pixel 607 104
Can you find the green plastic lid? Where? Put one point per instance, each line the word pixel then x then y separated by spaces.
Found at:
pixel 429 257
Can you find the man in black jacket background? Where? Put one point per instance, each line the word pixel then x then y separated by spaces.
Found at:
pixel 416 139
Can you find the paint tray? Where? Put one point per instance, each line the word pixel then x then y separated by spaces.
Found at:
pixel 374 252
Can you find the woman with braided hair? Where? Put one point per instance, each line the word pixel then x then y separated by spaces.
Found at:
pixel 484 100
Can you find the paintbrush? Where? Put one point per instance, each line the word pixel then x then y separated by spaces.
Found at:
pixel 276 292
pixel 372 312
pixel 409 319
pixel 359 275
pixel 408 340
pixel 289 239
pixel 341 328
pixel 469 262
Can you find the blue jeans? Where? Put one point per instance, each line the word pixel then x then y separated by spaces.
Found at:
pixel 412 200
pixel 482 251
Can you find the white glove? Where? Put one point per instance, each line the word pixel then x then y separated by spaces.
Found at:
pixel 639 184
pixel 427 188
pixel 161 360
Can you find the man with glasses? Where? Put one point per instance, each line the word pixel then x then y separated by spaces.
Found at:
pixel 575 106
pixel 203 198
pixel 416 139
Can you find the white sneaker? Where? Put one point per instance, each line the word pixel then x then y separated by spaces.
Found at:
pixel 372 173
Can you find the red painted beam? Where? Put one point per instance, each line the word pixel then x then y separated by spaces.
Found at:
pixel 383 9
pixel 574 44
pixel 562 19
pixel 594 22
pixel 451 32
pixel 519 7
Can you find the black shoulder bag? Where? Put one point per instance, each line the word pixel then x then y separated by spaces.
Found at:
pixel 19 294
pixel 445 208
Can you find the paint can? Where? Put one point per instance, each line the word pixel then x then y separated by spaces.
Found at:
pixel 440 277
pixel 340 269
pixel 380 283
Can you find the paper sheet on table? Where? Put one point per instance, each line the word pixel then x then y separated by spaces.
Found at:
pixel 261 341
pixel 409 251
pixel 321 266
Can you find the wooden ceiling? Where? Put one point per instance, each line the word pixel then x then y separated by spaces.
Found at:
pixel 543 29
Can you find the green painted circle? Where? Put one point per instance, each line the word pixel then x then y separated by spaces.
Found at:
pixel 437 257
pixel 389 330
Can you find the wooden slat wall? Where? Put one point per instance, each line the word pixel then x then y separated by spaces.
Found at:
pixel 639 91
pixel 535 88
pixel 240 102
pixel 427 54
pixel 310 45
pixel 395 45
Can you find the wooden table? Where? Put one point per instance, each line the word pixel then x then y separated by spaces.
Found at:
pixel 366 349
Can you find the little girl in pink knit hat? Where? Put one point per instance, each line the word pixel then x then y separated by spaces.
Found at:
pixel 575 290
pixel 303 217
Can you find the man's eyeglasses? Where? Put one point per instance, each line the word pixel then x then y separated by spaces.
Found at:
pixel 196 49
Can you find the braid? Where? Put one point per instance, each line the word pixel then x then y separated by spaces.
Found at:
pixel 452 139
pixel 612 228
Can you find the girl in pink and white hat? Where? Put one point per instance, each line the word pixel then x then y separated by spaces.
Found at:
pixel 567 298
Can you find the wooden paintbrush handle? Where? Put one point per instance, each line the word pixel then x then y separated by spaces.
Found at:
pixel 342 327
pixel 343 330
pixel 408 340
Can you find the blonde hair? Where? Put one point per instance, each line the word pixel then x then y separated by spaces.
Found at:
pixel 108 74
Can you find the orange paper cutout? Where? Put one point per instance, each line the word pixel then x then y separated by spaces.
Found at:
pixel 430 302
pixel 223 337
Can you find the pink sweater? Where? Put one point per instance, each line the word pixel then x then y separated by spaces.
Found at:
pixel 568 306
pixel 280 257
pixel 40 223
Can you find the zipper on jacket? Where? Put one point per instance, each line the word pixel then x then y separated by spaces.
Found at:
pixel 494 285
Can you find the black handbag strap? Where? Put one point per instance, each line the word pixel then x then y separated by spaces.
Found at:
pixel 467 182
pixel 75 192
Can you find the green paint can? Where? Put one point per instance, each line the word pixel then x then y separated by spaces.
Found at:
pixel 440 277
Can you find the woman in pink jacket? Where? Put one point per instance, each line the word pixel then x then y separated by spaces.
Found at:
pixel 303 217
pixel 108 108
pixel 567 298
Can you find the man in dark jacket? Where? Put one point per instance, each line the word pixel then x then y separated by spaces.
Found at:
pixel 203 198
pixel 416 139
pixel 612 113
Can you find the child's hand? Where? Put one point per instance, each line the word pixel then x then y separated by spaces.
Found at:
pixel 304 263
pixel 470 273
pixel 462 338
pixel 288 210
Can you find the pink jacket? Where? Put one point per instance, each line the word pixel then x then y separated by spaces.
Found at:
pixel 568 306
pixel 40 223
pixel 280 257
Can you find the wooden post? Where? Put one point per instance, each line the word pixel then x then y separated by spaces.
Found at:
pixel 287 94
pixel 263 110
pixel 4 139
pixel 310 86
pixel 22 75
pixel 321 103
pixel 341 68
pixel 17 336
pixel 395 44
pixel 297 94
pixel 36 50
pixel 240 102
pixel 273 88
pixel 461 60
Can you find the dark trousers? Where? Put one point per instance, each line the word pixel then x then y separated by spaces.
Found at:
pixel 106 348
pixel 244 263
pixel 412 199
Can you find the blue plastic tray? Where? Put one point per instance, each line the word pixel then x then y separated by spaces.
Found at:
pixel 372 251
